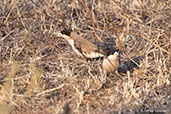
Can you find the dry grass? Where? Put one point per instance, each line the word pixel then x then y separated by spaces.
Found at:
pixel 39 72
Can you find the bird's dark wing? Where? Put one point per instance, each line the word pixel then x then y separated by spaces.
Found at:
pixel 90 47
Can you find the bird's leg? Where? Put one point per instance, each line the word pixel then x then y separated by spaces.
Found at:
pixel 118 75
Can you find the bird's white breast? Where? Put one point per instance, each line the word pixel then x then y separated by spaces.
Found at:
pixel 71 42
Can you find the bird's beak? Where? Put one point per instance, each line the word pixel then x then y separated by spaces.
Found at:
pixel 59 34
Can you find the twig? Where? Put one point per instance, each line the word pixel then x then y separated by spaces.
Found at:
pixel 92 21
pixel 49 90
pixel 9 14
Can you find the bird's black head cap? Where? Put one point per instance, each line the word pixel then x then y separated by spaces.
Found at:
pixel 66 32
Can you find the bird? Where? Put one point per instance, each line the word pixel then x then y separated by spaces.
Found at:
pixel 110 63
pixel 82 46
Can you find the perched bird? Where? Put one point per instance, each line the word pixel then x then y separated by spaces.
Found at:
pixel 82 46
pixel 111 63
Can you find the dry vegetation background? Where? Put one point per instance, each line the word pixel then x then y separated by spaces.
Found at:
pixel 40 73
